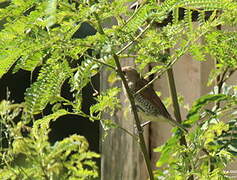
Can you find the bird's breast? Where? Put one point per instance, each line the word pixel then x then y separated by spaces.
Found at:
pixel 146 105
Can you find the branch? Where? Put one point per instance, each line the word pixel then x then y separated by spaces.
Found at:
pixel 174 96
pixel 177 113
pixel 220 81
pixel 133 15
pixel 132 101
pixel 231 72
pixel 137 121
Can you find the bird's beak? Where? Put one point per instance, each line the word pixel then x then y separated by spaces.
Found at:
pixel 124 73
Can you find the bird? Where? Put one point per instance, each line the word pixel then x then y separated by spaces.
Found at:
pixel 147 100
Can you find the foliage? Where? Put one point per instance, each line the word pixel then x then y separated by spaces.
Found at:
pixel 211 144
pixel 42 34
pixel 31 156
pixel 107 103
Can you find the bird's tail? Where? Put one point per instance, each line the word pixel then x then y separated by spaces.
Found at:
pixel 170 120
pixel 175 123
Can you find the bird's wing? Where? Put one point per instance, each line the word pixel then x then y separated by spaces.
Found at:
pixel 151 95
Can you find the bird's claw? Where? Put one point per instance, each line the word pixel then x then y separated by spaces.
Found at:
pixel 142 125
pixel 145 123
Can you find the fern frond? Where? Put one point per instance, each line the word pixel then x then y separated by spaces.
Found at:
pixel 188 18
pixel 20 8
pixel 41 126
pixel 73 152
pixel 175 14
pixel 81 78
pixel 162 11
pixel 15 39
pixel 85 71
pixel 7 59
pixel 201 17
pixel 138 19
pixel 46 87
pixel 26 40
pixel 168 5
pixel 228 139
pixel 206 5
pixel 222 46
pixel 199 5
pixel 29 61
pixel 66 159
pixel 107 102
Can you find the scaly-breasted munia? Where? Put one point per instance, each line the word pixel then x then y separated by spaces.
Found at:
pixel 147 99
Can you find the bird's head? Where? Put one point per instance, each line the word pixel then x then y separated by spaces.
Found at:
pixel 131 75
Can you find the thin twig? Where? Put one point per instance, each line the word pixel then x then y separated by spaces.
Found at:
pixel 44 172
pixel 128 56
pixel 129 133
pixel 159 73
pixel 135 39
pixel 131 17
pixel 170 64
pixel 100 62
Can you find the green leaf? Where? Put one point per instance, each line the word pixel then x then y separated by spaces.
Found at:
pixel 168 151
pixel 107 102
pixel 194 113
pixel 42 125
pixel 47 86
pixel 138 19
pixel 7 59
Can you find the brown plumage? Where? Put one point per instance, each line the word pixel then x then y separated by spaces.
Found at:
pixel 147 99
